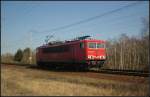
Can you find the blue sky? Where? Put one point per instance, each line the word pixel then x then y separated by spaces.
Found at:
pixel 27 23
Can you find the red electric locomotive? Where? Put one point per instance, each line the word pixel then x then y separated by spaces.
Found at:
pixel 82 52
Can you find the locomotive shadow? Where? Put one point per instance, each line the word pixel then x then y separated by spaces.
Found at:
pixel 58 68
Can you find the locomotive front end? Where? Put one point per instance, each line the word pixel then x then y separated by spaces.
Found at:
pixel 96 53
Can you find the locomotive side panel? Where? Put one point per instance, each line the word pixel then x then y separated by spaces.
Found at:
pixel 79 52
pixel 56 54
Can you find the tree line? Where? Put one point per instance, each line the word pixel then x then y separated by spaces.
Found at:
pixel 26 56
pixel 129 53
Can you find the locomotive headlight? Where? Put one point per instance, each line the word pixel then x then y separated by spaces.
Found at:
pixel 100 57
pixel 104 57
pixel 89 57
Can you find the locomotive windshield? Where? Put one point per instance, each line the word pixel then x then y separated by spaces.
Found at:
pixel 96 45
pixel 100 45
pixel 92 45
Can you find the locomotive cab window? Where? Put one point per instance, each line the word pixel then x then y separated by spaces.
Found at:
pixel 91 45
pixel 100 45
pixel 81 45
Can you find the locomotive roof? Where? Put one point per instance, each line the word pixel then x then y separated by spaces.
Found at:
pixel 72 42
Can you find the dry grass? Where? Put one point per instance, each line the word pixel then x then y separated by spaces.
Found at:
pixel 29 82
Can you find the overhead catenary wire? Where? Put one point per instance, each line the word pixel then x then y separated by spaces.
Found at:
pixel 114 21
pixel 37 39
pixel 13 44
pixel 93 18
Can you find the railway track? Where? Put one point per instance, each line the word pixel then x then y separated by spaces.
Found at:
pixel 123 72
pixel 105 71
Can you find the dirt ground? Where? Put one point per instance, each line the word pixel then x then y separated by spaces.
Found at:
pixel 25 81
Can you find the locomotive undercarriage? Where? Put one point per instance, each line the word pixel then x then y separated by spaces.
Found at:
pixel 73 65
pixel 95 63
